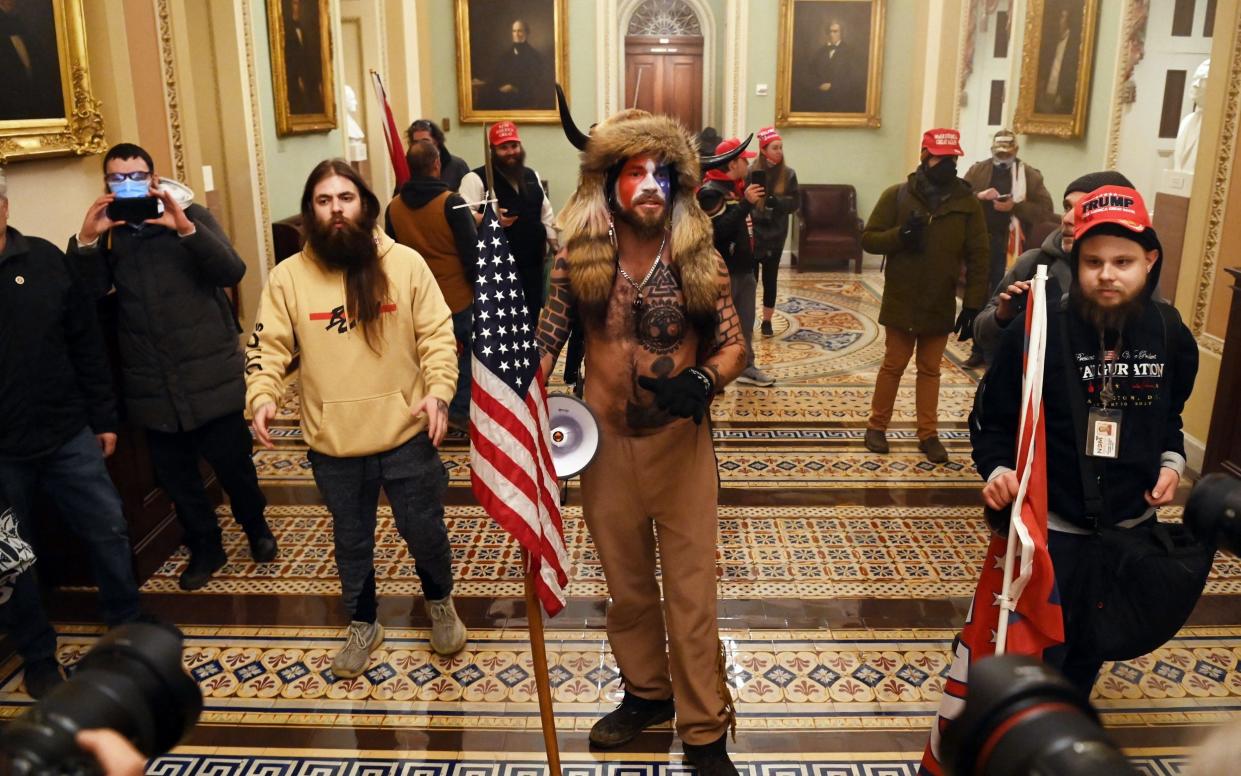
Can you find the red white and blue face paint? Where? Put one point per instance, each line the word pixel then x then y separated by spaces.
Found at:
pixel 643 181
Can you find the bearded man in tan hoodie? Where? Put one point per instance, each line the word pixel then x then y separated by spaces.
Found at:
pixel 378 365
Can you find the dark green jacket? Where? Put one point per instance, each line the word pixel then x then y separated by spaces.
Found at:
pixel 919 294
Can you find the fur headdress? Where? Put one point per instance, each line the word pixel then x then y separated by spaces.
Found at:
pixel 585 219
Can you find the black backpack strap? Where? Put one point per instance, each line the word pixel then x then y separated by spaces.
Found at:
pixel 1093 498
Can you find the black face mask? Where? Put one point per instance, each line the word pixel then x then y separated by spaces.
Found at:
pixel 944 172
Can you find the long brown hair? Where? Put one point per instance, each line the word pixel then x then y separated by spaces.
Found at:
pixel 778 176
pixel 366 283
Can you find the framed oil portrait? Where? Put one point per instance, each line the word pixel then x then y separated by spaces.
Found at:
pixel 510 56
pixel 1056 62
pixel 300 36
pixel 830 63
pixel 46 104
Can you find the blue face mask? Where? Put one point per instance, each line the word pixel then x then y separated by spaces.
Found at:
pixel 128 189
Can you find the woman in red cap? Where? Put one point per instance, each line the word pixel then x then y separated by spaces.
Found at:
pixel 771 216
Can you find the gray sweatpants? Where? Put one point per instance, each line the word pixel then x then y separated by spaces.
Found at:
pixel 745 287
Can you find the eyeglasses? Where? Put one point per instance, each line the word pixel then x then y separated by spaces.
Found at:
pixel 138 176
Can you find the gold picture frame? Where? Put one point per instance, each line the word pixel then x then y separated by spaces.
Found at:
pixel 817 42
pixel 303 79
pixel 1043 107
pixel 484 28
pixel 62 115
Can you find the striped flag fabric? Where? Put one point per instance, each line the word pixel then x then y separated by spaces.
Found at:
pixel 511 464
pixel 1024 615
pixel 392 137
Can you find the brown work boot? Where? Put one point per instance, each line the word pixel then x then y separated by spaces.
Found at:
pixel 876 441
pixel 934 450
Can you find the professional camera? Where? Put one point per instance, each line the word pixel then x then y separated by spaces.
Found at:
pixel 1212 511
pixel 131 682
pixel 1023 718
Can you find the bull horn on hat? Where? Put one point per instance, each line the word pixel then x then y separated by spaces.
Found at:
pixel 571 131
pixel 720 160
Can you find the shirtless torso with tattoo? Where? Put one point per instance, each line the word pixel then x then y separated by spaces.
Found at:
pixel 653 339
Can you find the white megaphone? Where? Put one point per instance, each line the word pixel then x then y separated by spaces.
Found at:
pixel 574 434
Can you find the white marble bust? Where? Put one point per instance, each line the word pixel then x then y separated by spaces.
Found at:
pixel 1185 153
pixel 356 137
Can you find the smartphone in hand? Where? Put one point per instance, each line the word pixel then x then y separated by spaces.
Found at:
pixel 135 210
pixel 758 178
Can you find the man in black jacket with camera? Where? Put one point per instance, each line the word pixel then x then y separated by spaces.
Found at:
pixel 1115 450
pixel 180 352
pixel 57 424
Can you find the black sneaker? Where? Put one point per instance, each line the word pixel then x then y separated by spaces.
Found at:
pixel 203 564
pixel 630 718
pixel 263 547
pixel 711 759
pixel 42 676
pixel 767 330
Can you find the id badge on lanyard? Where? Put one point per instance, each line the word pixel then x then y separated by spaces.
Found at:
pixel 1103 423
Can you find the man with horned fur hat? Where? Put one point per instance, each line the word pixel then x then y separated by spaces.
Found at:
pixel 639 273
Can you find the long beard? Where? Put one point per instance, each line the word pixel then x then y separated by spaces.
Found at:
pixel 645 226
pixel 1106 318
pixel 348 247
pixel 510 166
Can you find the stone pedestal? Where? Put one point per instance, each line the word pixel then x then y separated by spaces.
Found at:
pixel 1171 213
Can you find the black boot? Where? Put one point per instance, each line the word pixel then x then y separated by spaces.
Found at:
pixel 262 544
pixel 711 759
pixel 41 676
pixel 630 718
pixel 203 564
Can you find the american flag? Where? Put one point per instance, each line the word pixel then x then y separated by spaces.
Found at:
pixel 1033 621
pixel 512 470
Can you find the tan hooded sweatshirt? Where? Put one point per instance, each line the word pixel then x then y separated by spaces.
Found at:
pixel 355 402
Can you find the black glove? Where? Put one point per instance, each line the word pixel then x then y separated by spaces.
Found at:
pixel 912 231
pixel 964 328
pixel 685 396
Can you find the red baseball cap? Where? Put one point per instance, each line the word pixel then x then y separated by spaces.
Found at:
pixel 766 136
pixel 731 143
pixel 503 132
pixel 942 142
pixel 1118 205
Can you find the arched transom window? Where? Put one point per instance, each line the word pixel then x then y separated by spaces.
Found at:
pixel 665 18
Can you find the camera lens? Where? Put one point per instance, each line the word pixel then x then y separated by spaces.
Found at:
pixel 132 682
pixel 1021 717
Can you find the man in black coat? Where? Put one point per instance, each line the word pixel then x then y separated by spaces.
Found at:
pixel 180 353
pixel 57 424
pixel 1133 366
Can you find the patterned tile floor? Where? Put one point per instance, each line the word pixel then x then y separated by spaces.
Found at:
pixel 836 680
pixel 802 553
pixel 877 552
pixel 281 762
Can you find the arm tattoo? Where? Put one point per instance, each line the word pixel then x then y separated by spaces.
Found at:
pixel 557 316
pixel 727 356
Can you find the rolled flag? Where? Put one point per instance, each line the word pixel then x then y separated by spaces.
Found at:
pixel 1016 607
pixel 392 137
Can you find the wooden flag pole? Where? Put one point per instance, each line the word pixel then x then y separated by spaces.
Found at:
pixel 538 653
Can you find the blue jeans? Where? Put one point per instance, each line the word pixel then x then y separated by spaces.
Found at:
pixel 462 325
pixel 76 481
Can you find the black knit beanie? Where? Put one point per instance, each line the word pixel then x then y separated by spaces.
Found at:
pixel 1093 180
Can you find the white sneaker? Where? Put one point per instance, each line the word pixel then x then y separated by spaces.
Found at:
pixel 361 640
pixel 752 376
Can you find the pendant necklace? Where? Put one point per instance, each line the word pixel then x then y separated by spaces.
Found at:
pixel 637 287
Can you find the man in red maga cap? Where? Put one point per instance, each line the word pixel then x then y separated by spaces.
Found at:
pixel 927 227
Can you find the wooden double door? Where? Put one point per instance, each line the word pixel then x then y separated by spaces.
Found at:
pixel 664 75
